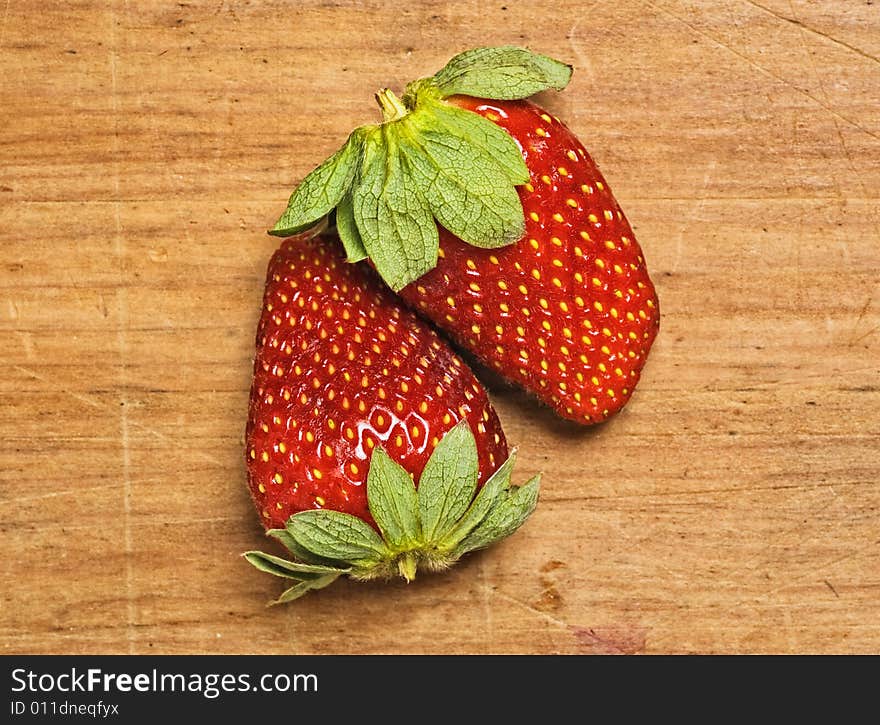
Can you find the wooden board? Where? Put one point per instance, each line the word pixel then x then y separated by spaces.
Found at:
pixel 732 507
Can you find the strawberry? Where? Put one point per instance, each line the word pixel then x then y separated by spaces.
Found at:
pixel 353 399
pixel 568 311
pixel 491 219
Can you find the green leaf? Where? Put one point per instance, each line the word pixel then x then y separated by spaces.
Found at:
pixel 336 536
pixel 294 548
pixel 289 569
pixel 393 219
pixel 428 161
pixel 304 587
pixel 393 502
pixel 321 190
pixel 464 186
pixel 485 135
pixel 448 482
pixel 503 73
pixel 505 517
pixel 348 231
pixel 488 495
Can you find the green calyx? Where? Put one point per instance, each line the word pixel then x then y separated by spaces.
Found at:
pixel 429 527
pixel 429 162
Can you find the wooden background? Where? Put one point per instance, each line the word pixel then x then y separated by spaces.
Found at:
pixel 145 147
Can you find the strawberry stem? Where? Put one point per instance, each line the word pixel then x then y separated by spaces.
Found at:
pixel 392 107
pixel 407 565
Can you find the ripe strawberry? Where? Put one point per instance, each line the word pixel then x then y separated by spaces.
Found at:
pixel 569 311
pixel 490 218
pixel 344 374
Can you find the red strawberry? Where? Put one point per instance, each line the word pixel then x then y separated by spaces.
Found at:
pixel 342 372
pixel 493 221
pixel 569 311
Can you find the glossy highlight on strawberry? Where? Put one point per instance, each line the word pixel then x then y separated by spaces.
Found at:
pixel 342 368
pixel 568 312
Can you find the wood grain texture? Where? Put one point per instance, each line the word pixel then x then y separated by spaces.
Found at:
pixel 732 507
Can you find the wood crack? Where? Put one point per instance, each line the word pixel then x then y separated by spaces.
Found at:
pixel 815 31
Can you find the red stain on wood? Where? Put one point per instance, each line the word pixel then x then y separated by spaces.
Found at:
pixel 611 640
